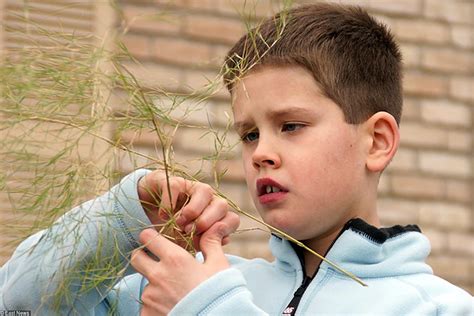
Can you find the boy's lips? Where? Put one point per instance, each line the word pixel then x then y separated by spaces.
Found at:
pixel 270 191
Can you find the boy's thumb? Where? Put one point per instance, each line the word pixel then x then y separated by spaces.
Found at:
pixel 211 243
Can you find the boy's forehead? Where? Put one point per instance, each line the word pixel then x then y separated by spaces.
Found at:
pixel 275 78
pixel 282 86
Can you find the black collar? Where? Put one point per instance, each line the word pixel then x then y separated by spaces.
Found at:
pixel 378 235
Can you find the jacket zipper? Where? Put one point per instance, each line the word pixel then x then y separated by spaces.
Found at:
pixel 290 310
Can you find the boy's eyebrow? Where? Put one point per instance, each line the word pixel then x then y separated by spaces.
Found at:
pixel 290 111
pixel 242 126
pixel 276 114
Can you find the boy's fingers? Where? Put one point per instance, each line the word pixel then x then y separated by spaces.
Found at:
pixel 200 197
pixel 169 198
pixel 181 201
pixel 141 262
pixel 225 241
pixel 231 220
pixel 159 245
pixel 214 212
pixel 211 244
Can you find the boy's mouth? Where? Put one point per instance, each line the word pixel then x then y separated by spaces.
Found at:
pixel 269 190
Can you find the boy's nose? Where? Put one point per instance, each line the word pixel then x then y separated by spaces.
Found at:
pixel 265 156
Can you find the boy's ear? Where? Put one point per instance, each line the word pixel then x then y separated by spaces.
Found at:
pixel 384 138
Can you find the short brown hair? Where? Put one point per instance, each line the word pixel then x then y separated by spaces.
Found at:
pixel 353 58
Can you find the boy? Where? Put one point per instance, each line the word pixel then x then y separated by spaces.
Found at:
pixel 317 108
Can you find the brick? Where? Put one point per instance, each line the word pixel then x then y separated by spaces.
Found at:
pixel 384 184
pixel 201 141
pixel 234 170
pixel 438 240
pixel 411 55
pixel 194 165
pixel 235 192
pixel 10 218
pixel 451 11
pixel 252 8
pixel 194 140
pixel 234 247
pixel 205 5
pixel 411 109
pixel 459 190
pixel 206 82
pixel 459 140
pixel 384 19
pixel 397 7
pixel 394 211
pixel 218 54
pixel 181 51
pixel 83 9
pixel 247 202
pixel 461 243
pixel 362 3
pixel 469 288
pixel 462 88
pixel 242 240
pixel 425 84
pixel 447 60
pixel 257 249
pixel 138 46
pixel 420 135
pixel 462 36
pixel 453 269
pixel 48 19
pixel 184 109
pixel 405 159
pixel 445 215
pixel 221 113
pixel 213 28
pixel 421 31
pixel 149 19
pixel 127 162
pixel 248 223
pixel 156 76
pixel 446 112
pixel 177 3
pixel 416 186
pixel 446 164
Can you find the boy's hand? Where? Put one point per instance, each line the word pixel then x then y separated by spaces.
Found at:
pixel 193 204
pixel 178 272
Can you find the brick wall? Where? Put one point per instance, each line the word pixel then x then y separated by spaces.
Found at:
pixel 430 182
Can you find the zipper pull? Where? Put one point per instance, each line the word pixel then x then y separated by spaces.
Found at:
pixel 299 292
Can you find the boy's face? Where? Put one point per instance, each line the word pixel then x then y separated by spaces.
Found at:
pixel 304 165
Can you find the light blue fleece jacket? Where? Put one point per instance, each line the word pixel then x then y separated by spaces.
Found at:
pixel 96 238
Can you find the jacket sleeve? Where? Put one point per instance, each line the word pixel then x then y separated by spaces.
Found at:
pixel 225 293
pixel 70 267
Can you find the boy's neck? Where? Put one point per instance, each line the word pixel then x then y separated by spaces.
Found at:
pixel 323 244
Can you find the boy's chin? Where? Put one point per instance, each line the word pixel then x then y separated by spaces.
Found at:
pixel 294 230
pixel 302 231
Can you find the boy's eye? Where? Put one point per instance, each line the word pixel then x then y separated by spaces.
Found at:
pixel 291 127
pixel 250 137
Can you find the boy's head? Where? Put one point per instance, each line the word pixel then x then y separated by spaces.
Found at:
pixel 315 111
pixel 352 57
